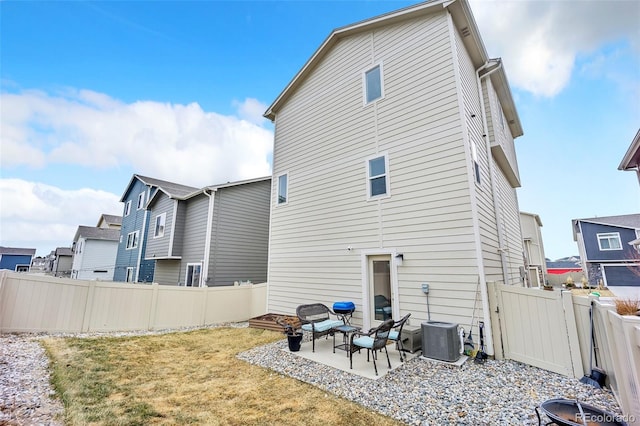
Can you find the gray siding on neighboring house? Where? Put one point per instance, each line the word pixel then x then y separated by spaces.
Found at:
pixel 167 272
pixel 195 211
pixel 325 135
pixel 180 227
pixel 159 247
pixel 240 237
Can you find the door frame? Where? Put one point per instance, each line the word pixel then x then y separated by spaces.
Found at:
pixel 186 275
pixel 365 255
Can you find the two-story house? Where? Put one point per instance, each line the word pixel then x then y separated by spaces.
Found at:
pixel 131 265
pixel 395 173
pixel 94 253
pixel 535 274
pixel 608 250
pixel 214 236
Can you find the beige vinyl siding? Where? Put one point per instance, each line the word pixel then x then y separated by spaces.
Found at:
pixel 240 236
pixel 167 272
pixel 195 211
pixel 512 232
pixel 324 134
pixel 159 247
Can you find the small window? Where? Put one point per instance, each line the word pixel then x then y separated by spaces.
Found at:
pixel 378 183
pixel 127 208
pixel 129 277
pixel 159 227
pixel 132 240
pixel 141 200
pixel 373 84
pixel 283 188
pixel 609 241
pixel 476 165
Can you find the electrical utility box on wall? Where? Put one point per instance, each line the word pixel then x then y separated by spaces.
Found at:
pixel 440 341
pixel 411 338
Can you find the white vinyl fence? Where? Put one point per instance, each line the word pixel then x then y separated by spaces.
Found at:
pixel 31 303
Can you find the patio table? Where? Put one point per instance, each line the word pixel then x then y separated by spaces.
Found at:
pixel 346 331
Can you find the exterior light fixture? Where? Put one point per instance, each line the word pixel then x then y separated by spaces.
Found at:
pixel 399 259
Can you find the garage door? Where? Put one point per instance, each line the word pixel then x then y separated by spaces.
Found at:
pixel 621 275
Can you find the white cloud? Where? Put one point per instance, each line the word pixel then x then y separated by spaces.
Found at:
pixel 540 40
pixel 36 214
pixel 179 143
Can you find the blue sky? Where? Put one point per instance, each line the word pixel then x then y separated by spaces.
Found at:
pixel 92 92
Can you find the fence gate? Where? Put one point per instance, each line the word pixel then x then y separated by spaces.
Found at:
pixel 537 327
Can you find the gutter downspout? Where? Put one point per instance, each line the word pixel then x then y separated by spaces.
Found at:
pixel 496 200
pixel 207 243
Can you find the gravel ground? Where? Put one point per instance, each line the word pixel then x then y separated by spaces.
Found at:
pixel 420 392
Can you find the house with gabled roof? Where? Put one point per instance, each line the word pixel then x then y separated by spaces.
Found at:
pixel 94 253
pixel 395 172
pixel 131 265
pixel 609 249
pixel 109 221
pixel 214 236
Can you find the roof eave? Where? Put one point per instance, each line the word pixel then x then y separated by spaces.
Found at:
pixel 631 159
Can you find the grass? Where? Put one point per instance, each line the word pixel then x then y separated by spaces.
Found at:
pixel 187 378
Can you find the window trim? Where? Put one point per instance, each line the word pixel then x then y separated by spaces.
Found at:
pixel 135 235
pixel 609 236
pixel 127 208
pixel 129 275
pixel 140 201
pixel 365 100
pixel 163 217
pixel 186 275
pixel 386 175
pixel 286 195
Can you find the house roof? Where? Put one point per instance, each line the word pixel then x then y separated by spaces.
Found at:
pixel 631 221
pixel 95 233
pixel 110 219
pixel 64 251
pixel 462 18
pixel 237 183
pixel 631 159
pixel 17 251
pixel 170 188
pixel 534 216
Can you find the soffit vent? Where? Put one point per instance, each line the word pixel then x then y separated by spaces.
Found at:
pixel 465 32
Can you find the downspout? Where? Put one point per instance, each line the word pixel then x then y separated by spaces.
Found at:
pixel 494 192
pixel 207 243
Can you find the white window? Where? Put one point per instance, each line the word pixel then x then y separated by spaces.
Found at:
pixel 373 89
pixel 283 188
pixel 192 278
pixel 129 278
pixel 132 240
pixel 141 200
pixel 609 241
pixel 127 208
pixel 377 176
pixel 158 230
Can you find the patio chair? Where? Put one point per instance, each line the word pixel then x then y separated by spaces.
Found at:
pixel 374 340
pixel 315 318
pixel 396 335
pixel 382 307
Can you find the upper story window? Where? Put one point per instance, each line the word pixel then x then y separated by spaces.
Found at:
pixel 127 208
pixel 140 200
pixel 132 239
pixel 609 241
pixel 377 176
pixel 283 188
pixel 373 88
pixel 158 230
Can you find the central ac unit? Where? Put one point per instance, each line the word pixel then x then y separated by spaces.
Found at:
pixel 440 341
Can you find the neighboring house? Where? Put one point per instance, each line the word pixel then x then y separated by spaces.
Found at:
pixel 109 221
pixel 535 261
pixel 215 236
pixel 131 265
pixel 560 270
pixel 94 253
pixel 394 166
pixel 16 259
pixel 62 262
pixel 607 249
pixel 631 160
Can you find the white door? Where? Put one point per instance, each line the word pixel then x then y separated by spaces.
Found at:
pixel 380 289
pixel 193 275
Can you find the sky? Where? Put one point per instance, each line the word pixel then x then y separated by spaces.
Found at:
pixel 93 92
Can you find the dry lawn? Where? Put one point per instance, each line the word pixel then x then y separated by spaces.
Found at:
pixel 187 378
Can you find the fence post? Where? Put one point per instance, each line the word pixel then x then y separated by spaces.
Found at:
pixel 572 334
pixel 88 308
pixel 154 306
